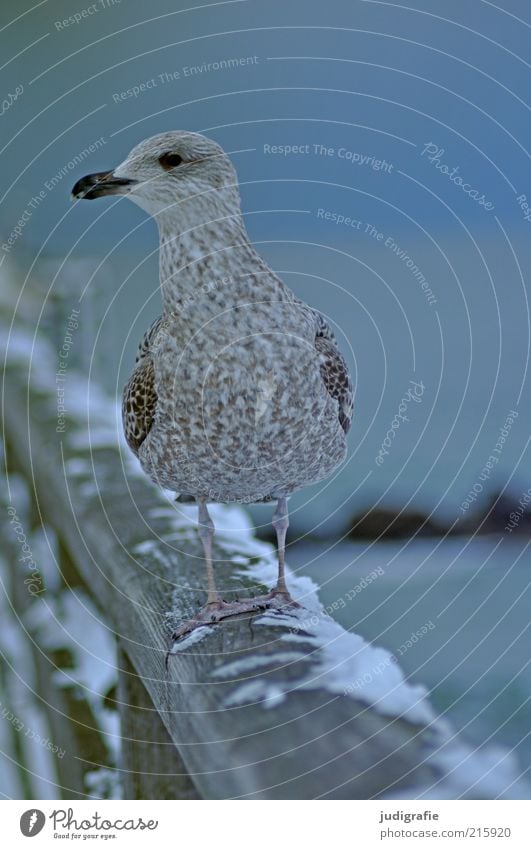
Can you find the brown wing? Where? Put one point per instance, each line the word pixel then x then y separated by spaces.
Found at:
pixel 145 345
pixel 139 403
pixel 334 371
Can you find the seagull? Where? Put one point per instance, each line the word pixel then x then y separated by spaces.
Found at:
pixel 239 393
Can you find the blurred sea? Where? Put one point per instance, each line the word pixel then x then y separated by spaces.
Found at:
pixel 476 594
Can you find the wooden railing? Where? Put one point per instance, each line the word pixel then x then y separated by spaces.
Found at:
pixel 276 706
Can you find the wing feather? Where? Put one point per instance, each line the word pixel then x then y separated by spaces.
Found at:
pixel 139 404
pixel 334 371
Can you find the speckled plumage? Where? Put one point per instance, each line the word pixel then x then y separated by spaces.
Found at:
pixel 252 399
pixel 239 392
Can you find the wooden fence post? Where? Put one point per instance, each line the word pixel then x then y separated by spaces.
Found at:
pixel 151 765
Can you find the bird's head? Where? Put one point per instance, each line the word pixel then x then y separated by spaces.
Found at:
pixel 170 173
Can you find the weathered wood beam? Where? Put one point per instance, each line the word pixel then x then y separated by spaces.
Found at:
pixel 151 766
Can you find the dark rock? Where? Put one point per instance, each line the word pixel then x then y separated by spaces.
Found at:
pixel 386 523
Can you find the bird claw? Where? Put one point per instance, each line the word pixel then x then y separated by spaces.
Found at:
pixel 284 597
pixel 215 612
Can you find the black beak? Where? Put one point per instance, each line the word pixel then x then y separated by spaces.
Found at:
pixel 98 185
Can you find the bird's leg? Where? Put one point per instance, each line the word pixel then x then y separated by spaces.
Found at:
pixel 215 609
pixel 281 525
pixel 206 534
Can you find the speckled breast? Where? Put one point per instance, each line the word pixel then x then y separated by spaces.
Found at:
pixel 242 411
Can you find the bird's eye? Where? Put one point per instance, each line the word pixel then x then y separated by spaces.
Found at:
pixel 170 160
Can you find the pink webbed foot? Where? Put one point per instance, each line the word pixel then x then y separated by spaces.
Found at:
pixel 216 611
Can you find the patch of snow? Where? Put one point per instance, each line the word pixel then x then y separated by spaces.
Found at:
pixel 98 422
pixel 258 690
pixel 246 545
pixel 94 437
pixel 78 466
pixel 190 639
pixel 24 348
pixel 293 638
pixel 302 588
pixel 89 488
pixel 104 783
pixel 352 668
pixel 250 663
pixel 346 664
pixel 153 548
pixel 163 513
pixel 231 520
pixel 74 622
pixel 87 401
pixel 146 547
pixel 19 492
